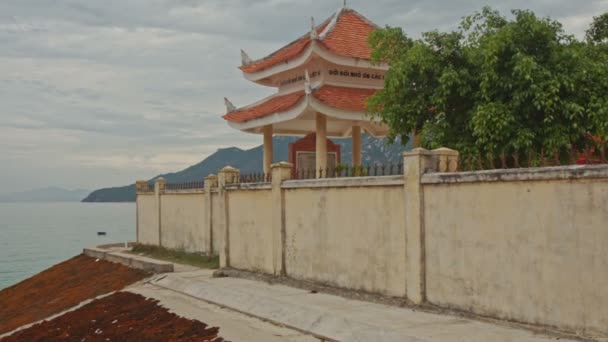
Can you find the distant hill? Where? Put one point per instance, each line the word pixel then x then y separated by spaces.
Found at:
pixel 375 150
pixel 49 194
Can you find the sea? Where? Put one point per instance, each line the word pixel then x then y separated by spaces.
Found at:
pixel 35 236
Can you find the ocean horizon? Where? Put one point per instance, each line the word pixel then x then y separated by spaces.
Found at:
pixel 35 236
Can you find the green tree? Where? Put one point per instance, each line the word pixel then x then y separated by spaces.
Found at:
pixel 593 84
pixel 598 31
pixel 496 87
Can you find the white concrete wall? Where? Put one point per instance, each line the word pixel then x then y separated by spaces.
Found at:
pixel 350 237
pixel 525 245
pixel 532 251
pixel 250 229
pixel 147 219
pixel 183 222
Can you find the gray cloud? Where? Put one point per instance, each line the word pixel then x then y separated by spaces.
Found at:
pixel 98 93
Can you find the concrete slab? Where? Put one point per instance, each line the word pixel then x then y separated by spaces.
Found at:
pixel 131 260
pixel 119 259
pixel 95 252
pixel 146 264
pixel 233 326
pixel 337 318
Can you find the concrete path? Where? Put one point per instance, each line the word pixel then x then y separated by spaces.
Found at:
pixel 233 325
pixel 324 316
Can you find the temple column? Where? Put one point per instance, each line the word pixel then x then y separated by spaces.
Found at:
pixel 268 150
pixel 321 148
pixel 356 145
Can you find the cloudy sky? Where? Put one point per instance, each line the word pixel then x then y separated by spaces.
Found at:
pixel 99 93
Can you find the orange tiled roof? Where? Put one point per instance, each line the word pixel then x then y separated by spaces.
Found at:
pixel 59 288
pixel 343 97
pixel 337 97
pixel 348 37
pixel 273 105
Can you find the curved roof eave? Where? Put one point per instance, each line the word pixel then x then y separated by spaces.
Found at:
pixel 316 49
pixel 307 104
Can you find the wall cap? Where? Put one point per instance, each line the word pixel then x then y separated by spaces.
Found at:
pixel 184 191
pixel 445 151
pixel 229 169
pixel 142 186
pixel 161 184
pixel 344 182
pixel 514 175
pixel 283 165
pixel 418 151
pixel 249 186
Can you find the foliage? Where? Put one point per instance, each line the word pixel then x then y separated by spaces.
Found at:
pixel 177 256
pixel 497 86
pixel 598 31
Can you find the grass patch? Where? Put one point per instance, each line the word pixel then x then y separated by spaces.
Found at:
pixel 177 256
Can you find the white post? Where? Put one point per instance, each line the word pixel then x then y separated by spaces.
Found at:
pixel 227 175
pixel 268 148
pixel 159 189
pixel 357 148
pixel 415 163
pixel 321 147
pixel 280 173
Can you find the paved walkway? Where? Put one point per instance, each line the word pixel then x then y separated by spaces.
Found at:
pixel 233 326
pixel 324 316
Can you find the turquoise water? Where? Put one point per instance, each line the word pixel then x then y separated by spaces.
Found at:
pixel 35 236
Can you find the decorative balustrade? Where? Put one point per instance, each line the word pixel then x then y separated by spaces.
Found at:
pixel 198 185
pixel 589 156
pixel 344 171
pixel 255 178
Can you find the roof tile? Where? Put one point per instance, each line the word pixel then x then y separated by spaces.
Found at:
pixel 337 97
pixel 344 98
pixel 275 104
pixel 284 54
pixel 349 37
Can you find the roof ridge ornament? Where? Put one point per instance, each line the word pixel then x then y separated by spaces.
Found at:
pixel 245 59
pixel 230 107
pixel 332 24
pixel 313 29
pixel 307 88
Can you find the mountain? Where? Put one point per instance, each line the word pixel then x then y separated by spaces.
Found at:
pixel 49 194
pixel 374 150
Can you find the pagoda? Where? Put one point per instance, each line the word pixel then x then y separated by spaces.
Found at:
pixel 323 80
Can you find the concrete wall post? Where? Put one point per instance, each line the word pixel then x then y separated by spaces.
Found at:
pixel 321 143
pixel 268 148
pixel 210 185
pixel 228 175
pixel 280 172
pixel 416 163
pixel 356 150
pixel 159 190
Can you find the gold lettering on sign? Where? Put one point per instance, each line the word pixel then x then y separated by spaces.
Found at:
pixel 299 78
pixel 355 74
